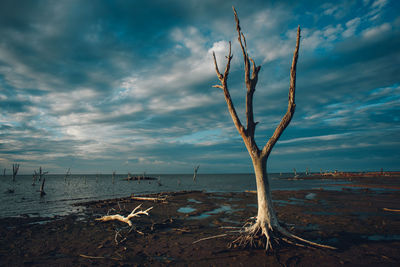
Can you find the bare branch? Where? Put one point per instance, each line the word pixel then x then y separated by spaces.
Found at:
pixel 244 49
pixel 218 86
pixel 224 87
pixel 210 237
pixel 256 70
pixel 291 102
pixel 250 85
pixel 220 77
pixel 228 63
pixel 244 40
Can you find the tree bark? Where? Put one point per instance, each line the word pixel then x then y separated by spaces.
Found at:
pixel 266 213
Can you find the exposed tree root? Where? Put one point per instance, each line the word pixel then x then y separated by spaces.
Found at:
pixel 263 235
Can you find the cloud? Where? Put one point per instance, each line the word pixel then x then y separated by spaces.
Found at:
pixel 328 137
pixel 351 27
pixel 120 85
pixel 376 31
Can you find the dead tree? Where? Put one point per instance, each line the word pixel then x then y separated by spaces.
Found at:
pixel 266 230
pixel 15 170
pixel 42 193
pixel 67 175
pixel 34 177
pixel 41 173
pixel 195 172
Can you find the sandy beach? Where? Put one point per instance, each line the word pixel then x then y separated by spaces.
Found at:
pixel 195 228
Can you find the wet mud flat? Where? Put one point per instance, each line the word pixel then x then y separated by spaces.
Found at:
pixel 363 223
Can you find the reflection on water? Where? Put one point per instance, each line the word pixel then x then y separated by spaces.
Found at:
pixel 61 193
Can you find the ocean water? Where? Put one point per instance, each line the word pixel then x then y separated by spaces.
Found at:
pixel 61 193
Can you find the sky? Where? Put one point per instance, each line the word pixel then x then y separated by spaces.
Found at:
pixel 98 86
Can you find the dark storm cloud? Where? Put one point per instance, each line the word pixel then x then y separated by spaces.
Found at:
pixel 127 84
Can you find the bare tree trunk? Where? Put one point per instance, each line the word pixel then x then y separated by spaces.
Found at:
pixel 266 213
pixel 266 226
pixel 15 171
pixel 42 193
pixel 195 172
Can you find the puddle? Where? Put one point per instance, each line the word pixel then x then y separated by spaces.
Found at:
pixel 310 196
pixel 194 201
pixel 223 208
pixel 200 217
pixel 382 237
pixel 204 215
pixel 187 209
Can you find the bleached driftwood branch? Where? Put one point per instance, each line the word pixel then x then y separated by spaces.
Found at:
pixel 126 219
pixel 155 199
pixel 386 209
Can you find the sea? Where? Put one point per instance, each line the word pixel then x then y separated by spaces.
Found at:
pixel 22 198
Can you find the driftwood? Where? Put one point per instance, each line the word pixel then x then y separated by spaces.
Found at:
pixel 155 199
pixel 386 209
pixel 139 177
pixel 126 219
pixel 97 257
pixel 251 191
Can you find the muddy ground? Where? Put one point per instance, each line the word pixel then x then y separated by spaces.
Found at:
pixel 363 223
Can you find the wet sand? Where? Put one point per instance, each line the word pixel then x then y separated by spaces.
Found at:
pixel 362 222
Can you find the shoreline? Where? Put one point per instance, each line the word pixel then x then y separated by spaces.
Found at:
pixel 363 224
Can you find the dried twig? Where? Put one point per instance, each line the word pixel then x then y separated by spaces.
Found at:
pixel 97 257
pixel 91 257
pixel 210 237
pixel 386 209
